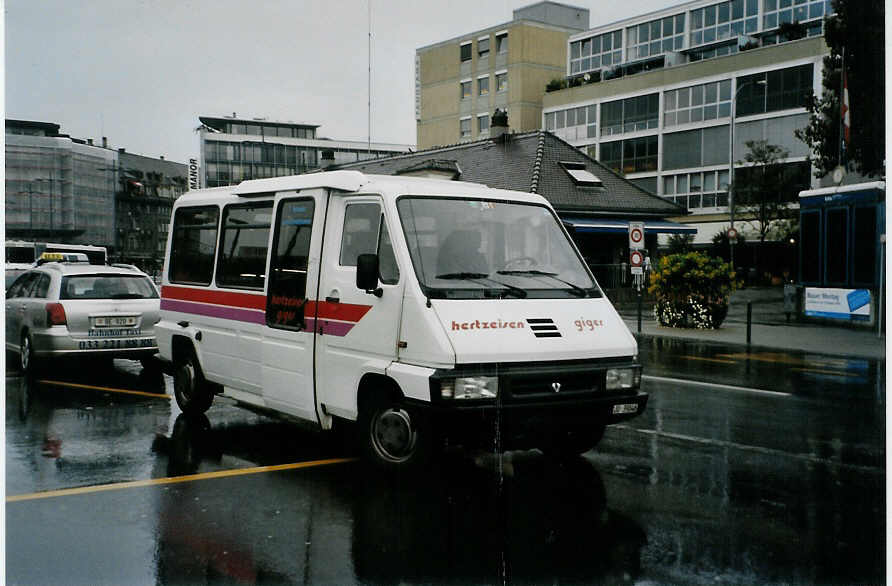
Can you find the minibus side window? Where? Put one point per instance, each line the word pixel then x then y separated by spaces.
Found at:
pixel 193 245
pixel 361 222
pixel 243 245
pixel 288 266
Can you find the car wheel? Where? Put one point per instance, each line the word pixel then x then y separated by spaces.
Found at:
pixel 191 391
pixel 391 435
pixel 573 442
pixel 27 362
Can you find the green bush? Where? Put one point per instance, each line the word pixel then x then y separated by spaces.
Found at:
pixel 691 290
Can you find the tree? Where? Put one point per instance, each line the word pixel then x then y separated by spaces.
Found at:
pixel 857 28
pixel 764 190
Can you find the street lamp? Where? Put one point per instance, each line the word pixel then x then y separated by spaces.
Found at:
pixel 731 187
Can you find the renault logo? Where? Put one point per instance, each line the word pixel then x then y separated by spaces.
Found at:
pixel 556 387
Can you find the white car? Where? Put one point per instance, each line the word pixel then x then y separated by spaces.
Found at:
pixel 77 309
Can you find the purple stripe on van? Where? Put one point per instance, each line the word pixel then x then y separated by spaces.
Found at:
pixel 329 328
pixel 221 311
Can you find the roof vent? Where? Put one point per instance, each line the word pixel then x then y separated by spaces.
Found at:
pixel 580 175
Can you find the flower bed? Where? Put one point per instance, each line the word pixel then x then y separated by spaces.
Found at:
pixel 692 290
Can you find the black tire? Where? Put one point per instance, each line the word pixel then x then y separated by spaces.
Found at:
pixel 27 362
pixel 192 392
pixel 392 435
pixel 573 442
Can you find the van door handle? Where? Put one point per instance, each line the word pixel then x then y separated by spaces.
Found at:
pixel 333 299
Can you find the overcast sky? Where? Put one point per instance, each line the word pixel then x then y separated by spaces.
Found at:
pixel 141 72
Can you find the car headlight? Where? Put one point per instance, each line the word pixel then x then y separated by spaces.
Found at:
pixel 623 378
pixel 470 387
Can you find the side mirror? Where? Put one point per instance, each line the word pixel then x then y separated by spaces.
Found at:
pixel 367 274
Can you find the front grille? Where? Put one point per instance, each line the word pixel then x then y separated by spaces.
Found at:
pixel 558 383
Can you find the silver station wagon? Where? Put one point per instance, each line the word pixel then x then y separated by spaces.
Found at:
pixel 69 310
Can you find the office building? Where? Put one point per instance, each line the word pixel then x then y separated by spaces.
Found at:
pixel 460 82
pixel 71 191
pixel 234 149
pixel 652 97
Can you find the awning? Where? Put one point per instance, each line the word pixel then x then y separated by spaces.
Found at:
pixel 617 226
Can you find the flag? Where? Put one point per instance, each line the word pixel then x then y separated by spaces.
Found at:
pixel 845 115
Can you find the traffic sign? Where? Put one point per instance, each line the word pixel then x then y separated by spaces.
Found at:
pixel 636 235
pixel 636 259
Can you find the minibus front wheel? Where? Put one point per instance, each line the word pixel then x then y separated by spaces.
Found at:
pixel 392 435
pixel 191 391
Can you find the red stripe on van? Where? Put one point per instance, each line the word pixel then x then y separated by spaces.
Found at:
pixel 338 311
pixel 243 300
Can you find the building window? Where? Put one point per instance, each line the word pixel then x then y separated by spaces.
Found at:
pixel 696 148
pixel 697 103
pixel 482 123
pixel 655 37
pixel 722 21
pixel 784 89
pixel 582 120
pixel 483 86
pixel 778 12
pixel 482 48
pixel 502 43
pixel 464 128
pixel 466 89
pixel 708 189
pixel 466 51
pixel 630 115
pixel 634 155
pixel 501 82
pixel 596 52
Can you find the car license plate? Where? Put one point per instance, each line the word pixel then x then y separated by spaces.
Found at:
pixel 625 408
pixel 114 321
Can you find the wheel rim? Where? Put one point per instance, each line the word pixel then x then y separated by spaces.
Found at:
pixel 26 353
pixel 393 435
pixel 185 383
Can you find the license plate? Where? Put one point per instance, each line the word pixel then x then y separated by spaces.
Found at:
pixel 114 321
pixel 625 408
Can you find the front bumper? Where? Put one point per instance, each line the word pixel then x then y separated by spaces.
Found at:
pixel 528 410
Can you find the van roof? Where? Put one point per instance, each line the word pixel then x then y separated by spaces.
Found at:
pixel 354 181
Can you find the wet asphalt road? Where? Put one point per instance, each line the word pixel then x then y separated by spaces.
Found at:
pixel 767 468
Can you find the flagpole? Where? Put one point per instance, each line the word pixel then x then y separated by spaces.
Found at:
pixel 842 108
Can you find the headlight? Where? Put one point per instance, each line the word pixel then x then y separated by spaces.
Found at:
pixel 623 378
pixel 470 387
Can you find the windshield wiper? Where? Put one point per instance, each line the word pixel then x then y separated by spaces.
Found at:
pixel 574 289
pixel 506 288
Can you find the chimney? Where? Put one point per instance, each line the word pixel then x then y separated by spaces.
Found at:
pixel 90 141
pixel 161 157
pixel 328 159
pixel 122 150
pixel 498 125
pixel 105 142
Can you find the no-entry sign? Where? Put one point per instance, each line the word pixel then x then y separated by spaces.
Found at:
pixel 636 235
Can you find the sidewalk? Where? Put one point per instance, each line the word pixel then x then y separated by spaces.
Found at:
pixel 770 329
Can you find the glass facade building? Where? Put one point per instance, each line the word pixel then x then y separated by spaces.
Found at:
pixel 659 109
pixel 235 150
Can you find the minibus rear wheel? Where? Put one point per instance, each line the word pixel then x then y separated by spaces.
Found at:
pixel 191 391
pixel 392 436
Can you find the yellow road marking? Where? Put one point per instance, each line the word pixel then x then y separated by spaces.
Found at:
pixel 705 359
pixel 781 358
pixel 821 371
pixel 173 480
pixel 108 389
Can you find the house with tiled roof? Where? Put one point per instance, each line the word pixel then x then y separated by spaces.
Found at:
pixel 595 203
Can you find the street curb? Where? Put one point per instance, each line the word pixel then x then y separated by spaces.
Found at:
pixel 758 347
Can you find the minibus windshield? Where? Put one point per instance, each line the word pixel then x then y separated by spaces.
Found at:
pixel 477 249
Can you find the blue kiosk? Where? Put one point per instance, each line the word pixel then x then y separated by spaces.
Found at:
pixel 842 233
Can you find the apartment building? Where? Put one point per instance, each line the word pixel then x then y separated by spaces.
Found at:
pixel 234 149
pixel 661 96
pixel 460 82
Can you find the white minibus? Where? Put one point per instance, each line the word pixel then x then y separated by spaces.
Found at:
pixel 430 312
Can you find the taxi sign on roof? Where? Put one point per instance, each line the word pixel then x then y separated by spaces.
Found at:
pixel 62 257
